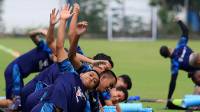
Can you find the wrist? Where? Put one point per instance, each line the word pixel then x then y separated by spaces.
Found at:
pixel 63 20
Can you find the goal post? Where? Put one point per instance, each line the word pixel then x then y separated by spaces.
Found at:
pixel 130 22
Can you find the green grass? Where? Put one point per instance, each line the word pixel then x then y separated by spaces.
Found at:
pixel 150 73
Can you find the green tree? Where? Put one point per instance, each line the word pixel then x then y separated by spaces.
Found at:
pixel 94 11
pixel 2 28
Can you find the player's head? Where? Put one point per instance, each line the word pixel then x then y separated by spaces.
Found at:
pixel 90 79
pixel 195 76
pixel 124 81
pixel 118 94
pixel 100 68
pixel 108 80
pixel 164 51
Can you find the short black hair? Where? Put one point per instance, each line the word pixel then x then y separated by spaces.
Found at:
pixel 102 56
pixel 164 51
pixel 109 74
pixel 127 80
pixel 124 90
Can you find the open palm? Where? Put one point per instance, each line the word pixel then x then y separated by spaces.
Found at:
pixel 66 12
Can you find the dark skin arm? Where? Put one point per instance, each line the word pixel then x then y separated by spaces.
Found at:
pixel 183 27
pixel 34 35
pixel 60 51
pixel 81 28
pixel 172 86
pixel 50 34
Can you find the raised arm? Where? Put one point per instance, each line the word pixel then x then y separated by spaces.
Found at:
pixel 35 35
pixel 183 27
pixel 81 28
pixel 60 51
pixel 73 24
pixel 50 34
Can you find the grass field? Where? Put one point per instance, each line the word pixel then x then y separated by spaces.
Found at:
pixel 150 73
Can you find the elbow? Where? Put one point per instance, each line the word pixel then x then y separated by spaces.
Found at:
pixel 71 55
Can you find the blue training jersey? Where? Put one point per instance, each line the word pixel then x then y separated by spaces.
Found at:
pixel 180 57
pixel 68 93
pixel 35 60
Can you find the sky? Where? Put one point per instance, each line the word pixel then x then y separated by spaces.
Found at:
pixel 35 13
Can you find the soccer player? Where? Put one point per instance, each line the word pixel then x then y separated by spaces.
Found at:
pixel 68 93
pixel 117 95
pixel 182 57
pixel 35 60
pixel 124 81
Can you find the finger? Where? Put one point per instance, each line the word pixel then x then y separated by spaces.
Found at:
pixel 53 11
pixel 70 9
pixel 72 14
pixel 68 6
pixel 57 12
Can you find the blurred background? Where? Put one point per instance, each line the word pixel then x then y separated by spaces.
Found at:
pixel 112 19
pixel 148 20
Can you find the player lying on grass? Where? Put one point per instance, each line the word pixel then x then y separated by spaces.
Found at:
pixel 33 95
pixel 182 57
pixel 124 83
pixel 34 60
pixel 107 80
pixel 68 92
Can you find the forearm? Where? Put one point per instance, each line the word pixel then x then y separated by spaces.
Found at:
pixel 172 86
pixel 50 34
pixel 60 41
pixel 72 29
pixel 50 39
pixel 84 58
pixel 35 37
pixel 183 27
pixel 72 52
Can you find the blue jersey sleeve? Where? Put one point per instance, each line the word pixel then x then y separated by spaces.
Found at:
pixel 174 66
pixel 182 42
pixel 48 107
pixel 84 68
pixel 79 50
pixel 65 66
pixel 106 95
pixel 44 47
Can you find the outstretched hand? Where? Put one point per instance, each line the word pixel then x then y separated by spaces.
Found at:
pixel 176 19
pixel 66 12
pixel 53 16
pixel 76 9
pixel 81 27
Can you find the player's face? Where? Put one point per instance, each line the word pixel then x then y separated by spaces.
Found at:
pixel 106 84
pixel 117 96
pixel 197 78
pixel 90 79
pixel 120 83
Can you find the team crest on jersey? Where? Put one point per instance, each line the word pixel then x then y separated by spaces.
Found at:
pixel 43 63
pixel 79 94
